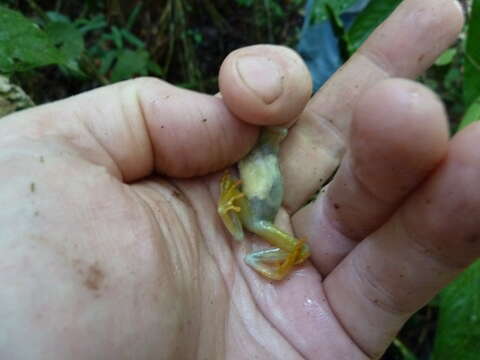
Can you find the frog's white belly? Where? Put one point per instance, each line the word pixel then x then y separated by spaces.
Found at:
pixel 259 174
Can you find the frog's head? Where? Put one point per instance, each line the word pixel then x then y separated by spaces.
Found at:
pixel 273 135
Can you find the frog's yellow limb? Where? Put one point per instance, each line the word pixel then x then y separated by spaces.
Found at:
pixel 227 205
pixel 276 263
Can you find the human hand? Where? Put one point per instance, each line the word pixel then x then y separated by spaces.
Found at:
pixel 104 259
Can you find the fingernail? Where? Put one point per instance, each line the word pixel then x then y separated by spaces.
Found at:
pixel 263 76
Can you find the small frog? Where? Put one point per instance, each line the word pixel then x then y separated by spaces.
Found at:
pixel 256 205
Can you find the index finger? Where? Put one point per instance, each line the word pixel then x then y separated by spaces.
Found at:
pixel 403 46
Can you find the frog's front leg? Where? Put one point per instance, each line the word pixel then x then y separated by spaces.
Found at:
pixel 230 205
pixel 276 263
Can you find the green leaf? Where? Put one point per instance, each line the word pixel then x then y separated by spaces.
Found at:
pixel 94 23
pixel 57 17
pixel 458 331
pixel 447 57
pixel 132 39
pixel 372 16
pixel 319 12
pixel 404 350
pixel 155 69
pixel 276 9
pixel 23 45
pixel 472 114
pixel 107 61
pixel 453 77
pixel 471 84
pixel 117 37
pixel 67 38
pixel 246 3
pixel 130 63
pixel 339 31
pixel 133 15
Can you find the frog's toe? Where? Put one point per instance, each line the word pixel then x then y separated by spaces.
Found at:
pixel 273 264
pixel 228 208
pixel 276 263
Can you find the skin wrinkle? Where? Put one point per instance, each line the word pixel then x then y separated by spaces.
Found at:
pixel 334 224
pixel 185 284
pixel 192 245
pixel 163 229
pixel 204 236
pixel 430 252
pixel 341 111
pixel 363 185
pixel 194 118
pixel 158 156
pixel 362 349
pixel 329 205
pixel 248 328
pixel 364 276
pixel 359 348
pixel 118 172
pixel 204 318
pixel 85 127
pixel 211 256
pixel 146 131
pixel 195 217
pixel 381 63
pixel 332 128
pixel 268 320
pixel 329 124
pixel 320 120
pixel 222 140
pixel 423 18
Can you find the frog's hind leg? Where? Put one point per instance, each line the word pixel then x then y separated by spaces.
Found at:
pixel 275 263
pixel 229 205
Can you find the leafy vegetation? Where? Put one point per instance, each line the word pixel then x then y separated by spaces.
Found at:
pixel 24 45
pixel 320 13
pixel 100 42
pixel 55 49
pixel 373 15
pixel 458 332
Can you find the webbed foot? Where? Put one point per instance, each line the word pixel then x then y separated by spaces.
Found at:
pixel 276 263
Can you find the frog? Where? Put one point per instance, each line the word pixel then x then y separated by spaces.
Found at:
pixel 252 203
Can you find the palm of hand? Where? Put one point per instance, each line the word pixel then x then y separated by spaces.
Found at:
pixel 175 226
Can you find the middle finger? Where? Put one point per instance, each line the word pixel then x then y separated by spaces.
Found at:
pixel 403 46
pixel 398 136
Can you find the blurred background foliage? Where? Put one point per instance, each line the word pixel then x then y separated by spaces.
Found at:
pixel 99 42
pixel 53 49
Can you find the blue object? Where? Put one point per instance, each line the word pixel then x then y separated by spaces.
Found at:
pixel 318 44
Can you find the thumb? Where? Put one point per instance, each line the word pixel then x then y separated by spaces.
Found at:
pixel 136 127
